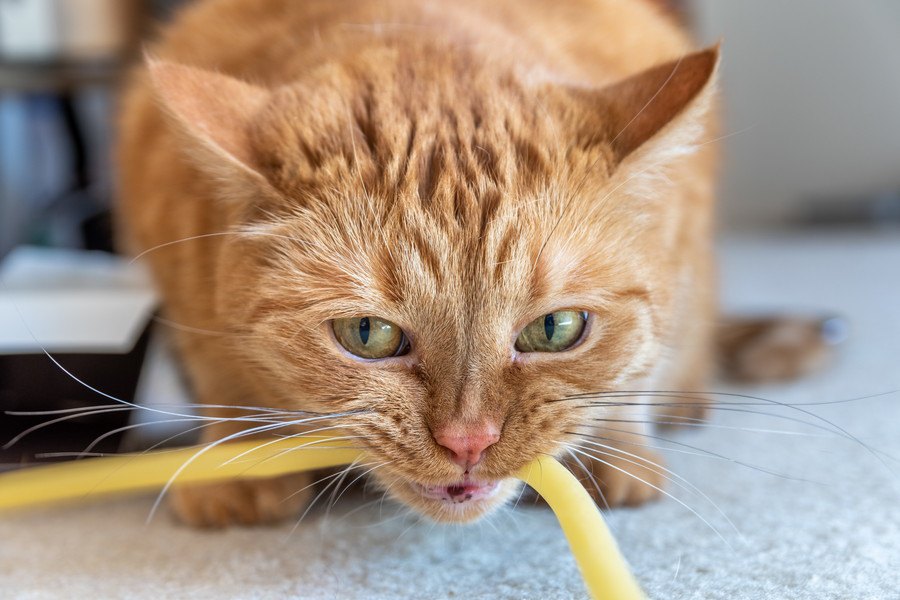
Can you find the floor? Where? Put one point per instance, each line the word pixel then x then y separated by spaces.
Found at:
pixel 793 507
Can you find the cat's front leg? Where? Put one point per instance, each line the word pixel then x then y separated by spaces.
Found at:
pixel 247 502
pixel 616 468
pixel 253 502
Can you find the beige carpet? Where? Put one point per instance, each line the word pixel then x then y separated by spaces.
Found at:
pixel 831 530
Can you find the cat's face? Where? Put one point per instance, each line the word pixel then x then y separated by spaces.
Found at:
pixel 451 268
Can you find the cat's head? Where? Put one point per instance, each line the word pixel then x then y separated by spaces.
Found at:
pixel 452 255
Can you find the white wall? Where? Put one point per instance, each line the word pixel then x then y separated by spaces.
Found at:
pixel 817 82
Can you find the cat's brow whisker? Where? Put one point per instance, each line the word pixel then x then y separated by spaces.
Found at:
pixel 187 328
pixel 240 233
pixel 647 104
pixel 584 178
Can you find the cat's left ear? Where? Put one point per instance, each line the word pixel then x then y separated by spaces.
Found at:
pixel 655 113
pixel 214 112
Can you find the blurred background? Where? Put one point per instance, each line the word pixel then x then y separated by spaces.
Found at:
pixel 811 140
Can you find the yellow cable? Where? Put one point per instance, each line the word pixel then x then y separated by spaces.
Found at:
pixel 605 572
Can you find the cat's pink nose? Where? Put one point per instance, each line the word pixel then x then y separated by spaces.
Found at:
pixel 467 444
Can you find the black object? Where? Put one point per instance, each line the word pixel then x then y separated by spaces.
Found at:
pixel 32 382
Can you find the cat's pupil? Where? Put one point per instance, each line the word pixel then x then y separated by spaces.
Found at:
pixel 549 326
pixel 364 330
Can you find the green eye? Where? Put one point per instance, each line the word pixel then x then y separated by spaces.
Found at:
pixel 553 332
pixel 370 337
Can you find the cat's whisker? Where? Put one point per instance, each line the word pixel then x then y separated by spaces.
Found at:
pixel 206 448
pixel 133 426
pixel 416 520
pixel 265 418
pixel 705 452
pixel 705 396
pixel 519 497
pixel 361 475
pixel 40 426
pixel 639 445
pixel 332 500
pixel 125 405
pixel 312 503
pixel 42 455
pixel 690 422
pixel 292 436
pixel 658 489
pixel 60 411
pixel 314 443
pixel 829 426
pixel 606 450
pixel 590 475
pixel 63 411
pixel 318 481
pixel 117 430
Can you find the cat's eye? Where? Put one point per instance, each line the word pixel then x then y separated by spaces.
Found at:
pixel 370 337
pixel 553 332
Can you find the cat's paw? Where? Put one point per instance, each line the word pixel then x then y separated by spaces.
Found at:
pixel 241 502
pixel 621 482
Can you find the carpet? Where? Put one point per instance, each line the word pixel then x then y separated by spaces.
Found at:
pixel 789 506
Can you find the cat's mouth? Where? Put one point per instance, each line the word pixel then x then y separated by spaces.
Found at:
pixel 459 492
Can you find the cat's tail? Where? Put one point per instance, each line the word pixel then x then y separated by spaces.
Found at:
pixel 771 348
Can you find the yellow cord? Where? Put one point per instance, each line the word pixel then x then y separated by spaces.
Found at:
pixel 605 572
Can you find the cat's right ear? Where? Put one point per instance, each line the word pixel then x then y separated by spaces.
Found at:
pixel 653 115
pixel 214 113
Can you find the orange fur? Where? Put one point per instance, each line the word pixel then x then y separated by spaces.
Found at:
pixel 458 168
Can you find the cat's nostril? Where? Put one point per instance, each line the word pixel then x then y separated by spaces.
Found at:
pixel 467 444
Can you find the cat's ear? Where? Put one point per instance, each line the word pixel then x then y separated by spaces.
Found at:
pixel 214 111
pixel 658 109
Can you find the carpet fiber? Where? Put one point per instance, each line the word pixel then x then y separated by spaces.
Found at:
pixel 814 513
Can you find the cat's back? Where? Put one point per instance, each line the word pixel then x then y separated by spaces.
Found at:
pixel 275 41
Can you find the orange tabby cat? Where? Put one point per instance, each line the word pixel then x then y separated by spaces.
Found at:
pixel 456 223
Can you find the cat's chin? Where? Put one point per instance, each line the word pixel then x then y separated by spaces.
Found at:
pixel 459 502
